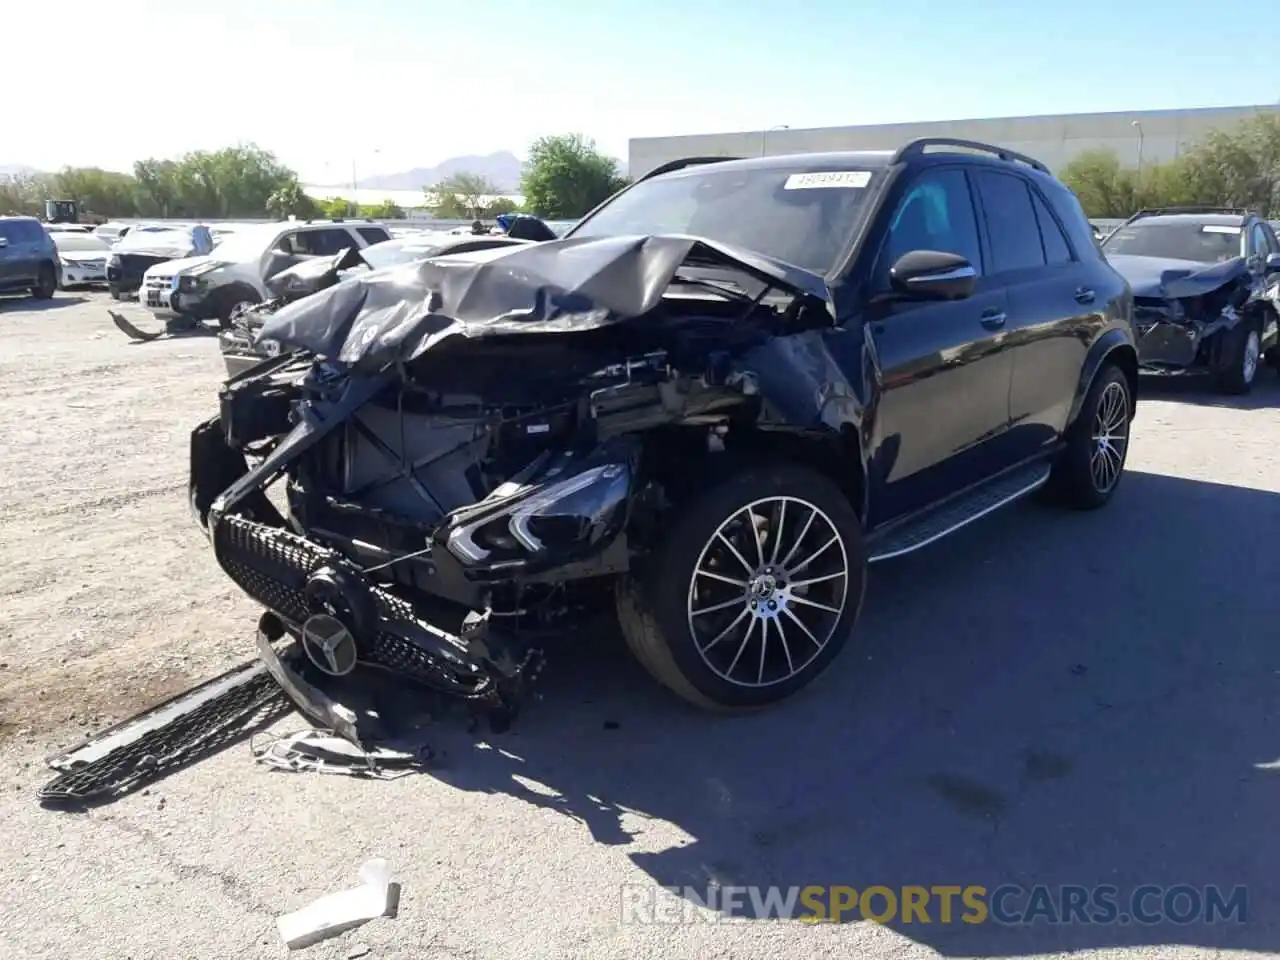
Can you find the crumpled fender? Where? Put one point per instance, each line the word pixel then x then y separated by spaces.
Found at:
pixel 1113 345
pixel 1178 285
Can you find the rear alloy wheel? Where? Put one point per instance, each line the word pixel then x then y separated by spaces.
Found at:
pixel 754 593
pixel 1091 465
pixel 46 282
pixel 1241 354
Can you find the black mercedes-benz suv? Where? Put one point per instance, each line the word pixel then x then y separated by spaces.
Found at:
pixel 711 404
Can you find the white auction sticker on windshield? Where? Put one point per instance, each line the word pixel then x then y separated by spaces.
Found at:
pixel 1218 228
pixel 835 180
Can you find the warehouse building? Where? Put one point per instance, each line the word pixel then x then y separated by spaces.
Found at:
pixel 1149 136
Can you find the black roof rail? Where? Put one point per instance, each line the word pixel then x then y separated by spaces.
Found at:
pixel 681 164
pixel 1161 211
pixel 916 148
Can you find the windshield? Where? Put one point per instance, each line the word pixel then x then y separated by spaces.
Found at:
pixel 245 245
pixel 1171 240
pixel 801 217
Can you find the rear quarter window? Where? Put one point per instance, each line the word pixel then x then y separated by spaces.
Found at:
pixel 1069 211
pixel 373 234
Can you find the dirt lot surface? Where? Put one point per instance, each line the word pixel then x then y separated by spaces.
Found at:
pixel 1044 699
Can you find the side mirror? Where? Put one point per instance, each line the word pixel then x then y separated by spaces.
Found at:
pixel 1272 263
pixel 933 275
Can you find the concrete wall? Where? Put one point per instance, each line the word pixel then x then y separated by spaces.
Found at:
pixel 1054 140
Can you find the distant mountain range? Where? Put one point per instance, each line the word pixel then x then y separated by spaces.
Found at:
pixel 503 169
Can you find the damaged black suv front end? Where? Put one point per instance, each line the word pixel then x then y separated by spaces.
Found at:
pixel 452 480
pixel 1206 288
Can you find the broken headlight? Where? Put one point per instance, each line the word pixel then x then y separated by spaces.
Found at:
pixel 563 520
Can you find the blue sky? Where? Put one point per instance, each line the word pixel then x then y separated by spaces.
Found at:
pixel 393 84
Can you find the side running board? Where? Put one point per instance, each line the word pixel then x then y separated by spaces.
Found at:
pixel 916 532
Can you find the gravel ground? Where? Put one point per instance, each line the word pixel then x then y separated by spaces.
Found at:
pixel 1044 699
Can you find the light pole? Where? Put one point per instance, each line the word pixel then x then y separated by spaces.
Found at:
pixel 764 137
pixel 1137 125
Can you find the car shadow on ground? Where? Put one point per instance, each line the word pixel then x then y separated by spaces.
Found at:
pixel 1044 699
pixel 1199 390
pixel 21 303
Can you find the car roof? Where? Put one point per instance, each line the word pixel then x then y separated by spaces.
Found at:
pixel 1210 219
pixel 795 162
pixel 20 216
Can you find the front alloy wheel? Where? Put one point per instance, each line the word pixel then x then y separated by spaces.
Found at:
pixel 767 592
pixel 753 590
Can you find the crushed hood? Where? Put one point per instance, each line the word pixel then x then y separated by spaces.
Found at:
pixel 1175 279
pixel 171 246
pixel 557 286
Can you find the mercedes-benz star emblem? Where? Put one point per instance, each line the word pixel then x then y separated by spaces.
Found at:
pixel 329 645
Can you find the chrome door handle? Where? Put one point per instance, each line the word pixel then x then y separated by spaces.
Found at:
pixel 1085 295
pixel 993 320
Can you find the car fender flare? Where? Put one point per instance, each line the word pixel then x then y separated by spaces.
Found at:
pixel 1116 347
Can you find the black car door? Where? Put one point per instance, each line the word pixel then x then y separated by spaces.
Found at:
pixel 8 255
pixel 944 373
pixel 1052 304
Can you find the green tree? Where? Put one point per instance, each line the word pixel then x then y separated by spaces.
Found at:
pixel 386 210
pixel 498 205
pixel 97 192
pixel 566 176
pixel 290 200
pixel 1239 166
pixel 23 194
pixel 229 183
pixel 338 208
pixel 463 196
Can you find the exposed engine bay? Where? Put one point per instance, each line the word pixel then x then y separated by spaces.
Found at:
pixel 465 452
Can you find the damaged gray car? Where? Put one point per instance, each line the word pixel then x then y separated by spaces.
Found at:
pixel 706 409
pixel 1206 286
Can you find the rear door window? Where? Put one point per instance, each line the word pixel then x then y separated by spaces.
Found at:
pixel 373 234
pixel 1011 221
pixel 324 242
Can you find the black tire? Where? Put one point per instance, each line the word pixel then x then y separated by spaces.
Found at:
pixel 1074 482
pixel 230 304
pixel 653 603
pixel 115 293
pixel 46 284
pixel 1272 357
pixel 1239 356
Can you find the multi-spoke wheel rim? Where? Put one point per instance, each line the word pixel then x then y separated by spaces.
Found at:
pixel 1252 354
pixel 768 591
pixel 1110 436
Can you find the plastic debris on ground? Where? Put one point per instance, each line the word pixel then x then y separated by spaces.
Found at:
pixel 377 896
pixel 323 751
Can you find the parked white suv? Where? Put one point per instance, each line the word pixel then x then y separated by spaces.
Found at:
pixel 234 274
